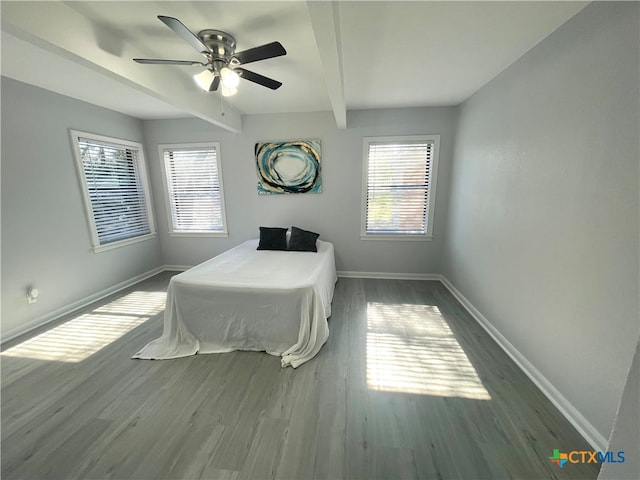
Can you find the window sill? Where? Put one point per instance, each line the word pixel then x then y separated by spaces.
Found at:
pixel 399 237
pixel 199 234
pixel 123 243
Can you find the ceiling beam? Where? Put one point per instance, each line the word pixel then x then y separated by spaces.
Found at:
pixel 63 31
pixel 325 21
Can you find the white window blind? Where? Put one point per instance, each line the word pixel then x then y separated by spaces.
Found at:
pixel 116 192
pixel 194 188
pixel 399 175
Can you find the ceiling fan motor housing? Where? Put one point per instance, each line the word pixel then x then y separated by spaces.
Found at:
pixel 221 44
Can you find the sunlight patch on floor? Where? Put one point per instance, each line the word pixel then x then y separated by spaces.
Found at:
pixel 86 334
pixel 411 349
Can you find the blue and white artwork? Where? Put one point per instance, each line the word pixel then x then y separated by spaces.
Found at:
pixel 288 167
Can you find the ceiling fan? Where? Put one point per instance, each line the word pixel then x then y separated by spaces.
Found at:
pixel 223 63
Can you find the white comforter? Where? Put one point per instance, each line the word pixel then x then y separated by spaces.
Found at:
pixel 248 299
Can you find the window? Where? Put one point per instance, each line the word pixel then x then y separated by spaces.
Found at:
pixel 116 193
pixel 193 181
pixel 399 187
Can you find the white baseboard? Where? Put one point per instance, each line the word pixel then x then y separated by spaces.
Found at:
pixel 177 268
pixel 348 274
pixel 586 429
pixel 72 307
pixel 390 276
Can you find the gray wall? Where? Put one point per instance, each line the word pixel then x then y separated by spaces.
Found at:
pixel 335 213
pixel 625 436
pixel 45 234
pixel 542 233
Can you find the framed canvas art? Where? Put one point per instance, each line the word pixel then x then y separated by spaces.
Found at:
pixel 288 167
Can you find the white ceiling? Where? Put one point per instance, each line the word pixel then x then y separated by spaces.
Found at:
pixel 340 55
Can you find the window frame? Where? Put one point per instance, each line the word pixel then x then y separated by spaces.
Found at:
pixel 84 187
pixel 167 196
pixel 431 188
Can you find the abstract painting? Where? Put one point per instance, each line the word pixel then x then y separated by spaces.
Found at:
pixel 288 167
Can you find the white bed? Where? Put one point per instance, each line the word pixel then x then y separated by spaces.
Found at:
pixel 248 299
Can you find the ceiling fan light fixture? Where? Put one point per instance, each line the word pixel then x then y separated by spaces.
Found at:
pixel 230 79
pixel 226 91
pixel 204 79
pixel 222 61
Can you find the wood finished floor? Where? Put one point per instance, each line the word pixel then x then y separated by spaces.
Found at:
pixel 348 413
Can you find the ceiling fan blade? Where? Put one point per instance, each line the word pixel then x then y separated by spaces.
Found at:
pixel 153 61
pixel 214 84
pixel 259 79
pixel 187 35
pixel 269 50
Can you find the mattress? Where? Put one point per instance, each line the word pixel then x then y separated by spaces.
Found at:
pixel 248 299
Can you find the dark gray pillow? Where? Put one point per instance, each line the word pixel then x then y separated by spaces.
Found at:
pixel 303 240
pixel 273 238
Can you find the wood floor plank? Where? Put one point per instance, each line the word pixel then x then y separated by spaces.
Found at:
pixel 408 385
pixel 265 451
